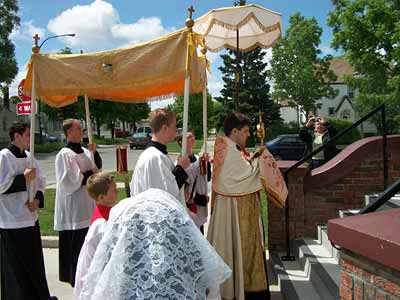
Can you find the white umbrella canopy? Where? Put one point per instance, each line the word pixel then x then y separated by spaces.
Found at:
pixel 253 25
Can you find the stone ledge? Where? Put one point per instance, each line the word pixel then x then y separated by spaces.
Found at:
pixel 374 236
pixel 49 241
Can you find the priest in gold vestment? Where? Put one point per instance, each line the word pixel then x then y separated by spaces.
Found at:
pixel 235 228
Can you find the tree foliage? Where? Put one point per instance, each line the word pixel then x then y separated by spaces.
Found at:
pixel 300 73
pixel 369 33
pixel 195 122
pixel 8 21
pixel 8 64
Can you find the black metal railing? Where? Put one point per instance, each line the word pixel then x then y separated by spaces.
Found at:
pixel 385 196
pixel 381 109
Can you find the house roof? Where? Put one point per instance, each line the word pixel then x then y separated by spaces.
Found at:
pixel 341 67
pixel 344 98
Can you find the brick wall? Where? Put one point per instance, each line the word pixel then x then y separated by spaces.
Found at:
pixel 363 279
pixel 323 203
pixel 341 184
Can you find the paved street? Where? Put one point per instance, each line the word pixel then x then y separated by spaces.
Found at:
pixel 46 161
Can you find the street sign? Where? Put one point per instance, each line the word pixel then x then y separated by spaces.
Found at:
pixel 21 95
pixel 23 108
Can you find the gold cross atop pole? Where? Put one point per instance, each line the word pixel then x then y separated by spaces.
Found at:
pixel 35 47
pixel 189 21
pixel 191 11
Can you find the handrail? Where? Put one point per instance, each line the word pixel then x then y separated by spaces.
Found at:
pixel 382 198
pixel 380 108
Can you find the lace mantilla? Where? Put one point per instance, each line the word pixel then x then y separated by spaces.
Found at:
pixel 152 250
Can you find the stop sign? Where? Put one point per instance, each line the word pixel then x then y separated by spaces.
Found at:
pixel 21 95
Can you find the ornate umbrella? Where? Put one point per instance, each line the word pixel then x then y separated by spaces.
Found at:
pixel 240 28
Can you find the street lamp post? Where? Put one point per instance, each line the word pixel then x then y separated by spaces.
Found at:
pixel 36 49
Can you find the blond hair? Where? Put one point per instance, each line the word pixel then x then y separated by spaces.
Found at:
pixel 160 117
pixel 98 184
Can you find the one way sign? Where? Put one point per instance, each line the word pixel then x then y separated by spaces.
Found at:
pixel 23 108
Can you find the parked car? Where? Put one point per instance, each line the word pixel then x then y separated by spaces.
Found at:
pixel 144 129
pixel 45 138
pixel 139 140
pixel 287 147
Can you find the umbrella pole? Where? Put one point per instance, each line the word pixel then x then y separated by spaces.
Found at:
pixel 32 135
pixel 237 77
pixel 89 127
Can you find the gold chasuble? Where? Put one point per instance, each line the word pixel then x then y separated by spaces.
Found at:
pixel 235 228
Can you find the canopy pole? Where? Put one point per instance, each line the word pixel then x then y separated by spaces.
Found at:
pixel 189 24
pixel 32 135
pixel 237 77
pixel 205 128
pixel 89 127
pixel 185 114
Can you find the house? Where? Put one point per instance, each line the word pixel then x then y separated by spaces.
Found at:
pixel 342 106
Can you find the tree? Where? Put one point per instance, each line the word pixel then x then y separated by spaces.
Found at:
pixel 369 33
pixel 8 64
pixel 195 122
pixel 300 74
pixel 253 86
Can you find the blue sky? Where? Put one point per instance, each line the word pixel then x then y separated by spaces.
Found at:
pixel 106 24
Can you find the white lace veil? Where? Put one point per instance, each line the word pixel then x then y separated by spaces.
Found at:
pixel 151 250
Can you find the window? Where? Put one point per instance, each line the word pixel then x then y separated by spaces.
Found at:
pixel 331 111
pixel 350 92
pixel 288 141
pixel 345 114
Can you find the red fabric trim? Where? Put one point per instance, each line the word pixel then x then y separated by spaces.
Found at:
pixel 100 212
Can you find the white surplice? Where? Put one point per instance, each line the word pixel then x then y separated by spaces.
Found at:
pixel 92 240
pixel 13 210
pixel 154 170
pixel 74 206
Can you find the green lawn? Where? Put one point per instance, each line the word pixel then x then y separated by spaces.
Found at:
pixel 46 214
pixel 264 212
pixel 121 178
pixel 175 148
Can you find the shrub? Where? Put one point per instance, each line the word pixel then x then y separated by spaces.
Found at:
pixel 48 147
pixel 349 137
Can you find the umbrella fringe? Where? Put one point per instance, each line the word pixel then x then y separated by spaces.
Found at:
pixel 250 16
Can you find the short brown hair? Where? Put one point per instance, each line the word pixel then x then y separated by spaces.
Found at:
pixel 98 184
pixel 17 127
pixel 160 117
pixel 235 120
pixel 67 124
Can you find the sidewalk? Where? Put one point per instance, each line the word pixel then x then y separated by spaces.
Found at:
pixel 62 290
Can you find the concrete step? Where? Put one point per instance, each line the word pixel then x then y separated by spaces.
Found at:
pixel 348 212
pixel 294 283
pixel 394 202
pixel 314 274
pixel 326 243
pixel 322 266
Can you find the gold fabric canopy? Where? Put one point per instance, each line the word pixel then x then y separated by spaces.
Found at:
pixel 152 70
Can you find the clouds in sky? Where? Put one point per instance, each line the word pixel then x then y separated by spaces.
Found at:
pixel 98 27
pixel 26 32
